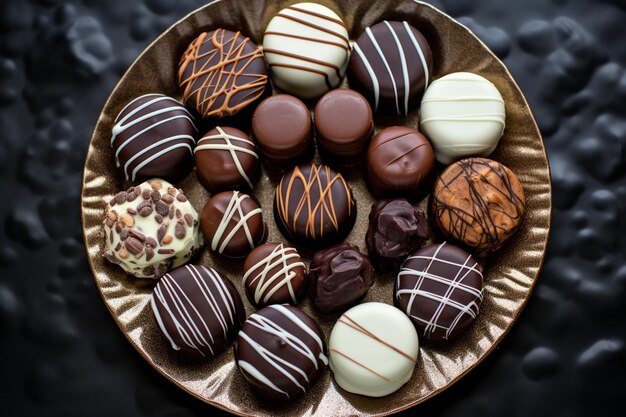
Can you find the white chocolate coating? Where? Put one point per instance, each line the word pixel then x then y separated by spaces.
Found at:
pixel 373 349
pixel 306 46
pixel 463 115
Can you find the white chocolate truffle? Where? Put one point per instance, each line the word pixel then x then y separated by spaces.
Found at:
pixel 150 229
pixel 463 115
pixel 306 46
pixel 373 349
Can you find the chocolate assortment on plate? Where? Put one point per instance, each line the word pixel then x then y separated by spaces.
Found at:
pixel 442 208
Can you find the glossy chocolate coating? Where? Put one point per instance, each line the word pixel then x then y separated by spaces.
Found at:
pixel 339 276
pixel 274 273
pixel 314 205
pixel 396 229
pixel 221 72
pixel 197 310
pixel 343 125
pixel 440 288
pixel 400 163
pixel 232 224
pixel 479 203
pixel 226 159
pixel 297 352
pixel 282 128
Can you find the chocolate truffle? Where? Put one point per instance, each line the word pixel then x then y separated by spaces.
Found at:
pixel 282 127
pixel 274 274
pixel 479 203
pixel 232 224
pixel 226 159
pixel 373 349
pixel 150 229
pixel 440 288
pixel 221 72
pixel 339 276
pixel 400 163
pixel 391 63
pixel 280 351
pixel 343 125
pixel 463 115
pixel 396 229
pixel 314 205
pixel 197 310
pixel 306 46
pixel 153 136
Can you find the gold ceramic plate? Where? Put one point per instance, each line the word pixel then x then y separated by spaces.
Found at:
pixel 509 274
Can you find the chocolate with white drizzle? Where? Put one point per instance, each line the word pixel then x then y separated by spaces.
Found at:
pixel 280 351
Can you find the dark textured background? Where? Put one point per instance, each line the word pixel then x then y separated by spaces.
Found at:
pixel 61 353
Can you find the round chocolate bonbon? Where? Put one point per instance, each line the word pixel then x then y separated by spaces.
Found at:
pixel 463 115
pixel 339 276
pixel 343 125
pixel 314 205
pixel 479 203
pixel 232 224
pixel 391 63
pixel 440 288
pixel 197 310
pixel 400 163
pixel 274 274
pixel 221 72
pixel 150 229
pixel 226 159
pixel 373 349
pixel 280 351
pixel 306 46
pixel 153 136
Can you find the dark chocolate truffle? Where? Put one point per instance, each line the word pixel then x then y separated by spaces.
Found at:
pixel 343 125
pixel 400 163
pixel 396 228
pixel 280 351
pixel 391 63
pixel 314 205
pixel 479 203
pixel 440 288
pixel 282 128
pixel 221 72
pixel 339 276
pixel 226 159
pixel 153 136
pixel 197 310
pixel 232 224
pixel 274 274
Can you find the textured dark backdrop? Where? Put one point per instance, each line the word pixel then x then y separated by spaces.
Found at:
pixel 61 354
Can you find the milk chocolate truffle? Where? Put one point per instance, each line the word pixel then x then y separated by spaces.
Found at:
pixel 396 229
pixel 226 159
pixel 150 229
pixel 306 46
pixel 274 273
pixel 232 224
pixel 221 72
pixel 440 288
pixel 280 351
pixel 197 310
pixel 282 128
pixel 343 125
pixel 314 205
pixel 400 163
pixel 479 203
pixel 391 64
pixel 339 276
pixel 153 136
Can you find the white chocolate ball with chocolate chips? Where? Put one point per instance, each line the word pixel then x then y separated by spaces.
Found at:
pixel 151 229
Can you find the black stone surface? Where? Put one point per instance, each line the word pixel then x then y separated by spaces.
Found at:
pixel 61 354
